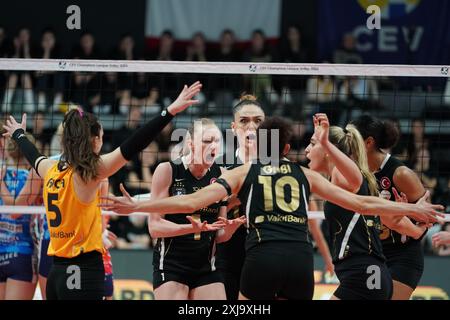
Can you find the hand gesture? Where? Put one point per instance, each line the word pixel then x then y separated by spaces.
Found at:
pixel 425 211
pixel 321 127
pixel 184 99
pixel 123 205
pixel 400 197
pixel 199 226
pixel 12 125
pixel 441 238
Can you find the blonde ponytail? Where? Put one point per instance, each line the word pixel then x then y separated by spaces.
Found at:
pixel 350 142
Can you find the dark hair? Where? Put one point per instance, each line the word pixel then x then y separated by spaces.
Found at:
pixel 39 112
pixel 258 31
pixel 86 33
pixel 384 132
pixel 167 33
pixel 48 30
pixel 78 129
pixel 227 31
pixel 284 129
pixel 126 35
pixel 246 99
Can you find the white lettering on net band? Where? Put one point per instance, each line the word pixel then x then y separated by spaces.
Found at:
pixel 374 70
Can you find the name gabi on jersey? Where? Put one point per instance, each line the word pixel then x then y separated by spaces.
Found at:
pixel 281 218
pixel 62 234
pixel 270 170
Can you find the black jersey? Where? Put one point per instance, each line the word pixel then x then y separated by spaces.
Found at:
pixel 385 179
pixel 190 252
pixel 275 200
pixel 351 233
pixel 231 254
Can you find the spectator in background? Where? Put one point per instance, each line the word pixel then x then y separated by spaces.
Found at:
pixel 120 135
pixel 358 95
pixel 292 51
pixel 417 142
pixel 347 53
pixel 41 134
pixel 260 85
pixel 226 87
pixel 227 51
pixel 196 50
pixel 143 93
pixel 107 99
pixel 124 51
pixel 49 84
pixel 167 81
pixel 86 49
pixel 422 167
pixel 5 52
pixel 321 96
pixel 84 86
pixel 126 48
pixel 166 50
pixel 22 49
pixel 5 44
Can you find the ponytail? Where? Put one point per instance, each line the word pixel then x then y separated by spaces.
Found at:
pixel 350 142
pixel 385 133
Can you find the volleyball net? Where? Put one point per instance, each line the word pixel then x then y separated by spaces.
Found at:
pixel 125 94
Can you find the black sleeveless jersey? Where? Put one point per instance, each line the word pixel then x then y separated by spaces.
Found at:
pixel 189 252
pixel 275 201
pixel 385 179
pixel 231 254
pixel 351 233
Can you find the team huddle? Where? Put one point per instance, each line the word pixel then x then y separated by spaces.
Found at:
pixel 221 225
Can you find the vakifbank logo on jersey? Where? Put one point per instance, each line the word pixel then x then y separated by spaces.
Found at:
pixel 392 9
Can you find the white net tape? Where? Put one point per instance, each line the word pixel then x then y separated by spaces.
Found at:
pixel 225 67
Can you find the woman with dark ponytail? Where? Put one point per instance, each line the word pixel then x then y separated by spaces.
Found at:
pixel 400 235
pixel 72 192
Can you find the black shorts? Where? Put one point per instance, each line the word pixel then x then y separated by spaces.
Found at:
pixel 16 266
pixel 405 262
pixel 78 278
pixel 189 279
pixel 45 261
pixel 363 278
pixel 230 260
pixel 278 270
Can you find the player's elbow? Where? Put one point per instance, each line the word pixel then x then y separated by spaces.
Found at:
pixel 154 230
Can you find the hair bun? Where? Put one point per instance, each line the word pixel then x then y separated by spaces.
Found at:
pixel 247 97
